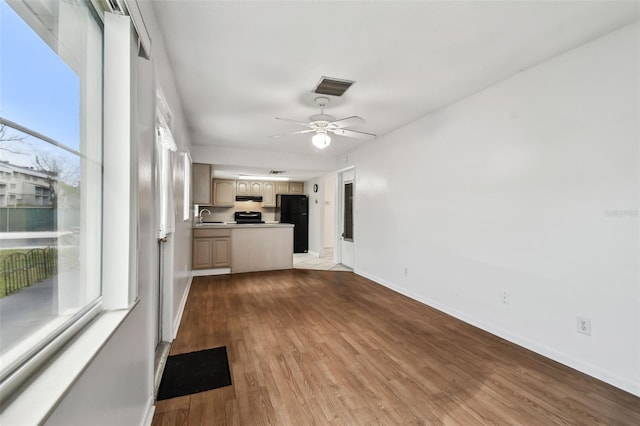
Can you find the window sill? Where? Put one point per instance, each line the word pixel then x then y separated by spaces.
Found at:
pixel 40 395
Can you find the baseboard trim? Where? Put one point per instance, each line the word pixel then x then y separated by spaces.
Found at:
pixel 586 368
pixel 160 360
pixel 151 409
pixel 183 303
pixel 206 272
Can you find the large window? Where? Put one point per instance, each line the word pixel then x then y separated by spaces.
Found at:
pixel 50 172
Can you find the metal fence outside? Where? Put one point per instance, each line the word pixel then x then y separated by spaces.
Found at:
pixel 20 270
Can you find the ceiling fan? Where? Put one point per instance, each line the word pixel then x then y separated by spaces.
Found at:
pixel 323 124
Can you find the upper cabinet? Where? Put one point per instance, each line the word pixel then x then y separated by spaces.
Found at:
pixel 269 194
pixel 246 187
pixel 255 188
pixel 282 187
pixel 224 193
pixel 201 184
pixel 243 187
pixel 296 187
pixel 289 187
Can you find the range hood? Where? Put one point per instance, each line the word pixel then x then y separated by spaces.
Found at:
pixel 257 198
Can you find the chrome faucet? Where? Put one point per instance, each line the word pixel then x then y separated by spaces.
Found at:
pixel 200 215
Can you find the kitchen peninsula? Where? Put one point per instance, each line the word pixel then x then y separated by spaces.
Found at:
pixel 222 248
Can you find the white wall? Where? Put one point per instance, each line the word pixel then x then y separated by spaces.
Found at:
pixel 329 232
pixel 180 241
pixel 316 215
pixel 531 187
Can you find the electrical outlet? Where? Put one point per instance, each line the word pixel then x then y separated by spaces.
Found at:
pixel 406 271
pixel 506 297
pixel 584 326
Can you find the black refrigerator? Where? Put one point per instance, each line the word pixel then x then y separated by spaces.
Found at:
pixel 295 209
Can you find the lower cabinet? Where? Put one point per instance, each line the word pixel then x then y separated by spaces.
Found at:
pixel 221 252
pixel 211 248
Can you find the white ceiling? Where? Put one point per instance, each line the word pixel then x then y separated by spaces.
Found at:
pixel 238 65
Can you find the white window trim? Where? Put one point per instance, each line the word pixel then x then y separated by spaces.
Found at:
pixel 119 165
pixel 35 403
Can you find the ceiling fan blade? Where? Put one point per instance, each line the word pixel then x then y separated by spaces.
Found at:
pixel 293 121
pixel 292 133
pixel 353 134
pixel 346 122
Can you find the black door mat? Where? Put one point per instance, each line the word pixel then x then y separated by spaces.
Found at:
pixel 195 372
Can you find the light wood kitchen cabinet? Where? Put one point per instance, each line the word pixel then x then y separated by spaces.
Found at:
pixel 224 193
pixel 269 194
pixel 282 187
pixel 202 253
pixel 221 257
pixel 211 248
pixel 255 188
pixel 261 248
pixel 242 187
pixel 245 187
pixel 289 187
pixel 296 187
pixel 201 184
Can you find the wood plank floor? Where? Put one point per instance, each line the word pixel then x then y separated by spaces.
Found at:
pixel 321 347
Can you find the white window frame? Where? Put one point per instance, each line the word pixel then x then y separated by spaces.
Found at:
pixel 36 348
pixel 50 377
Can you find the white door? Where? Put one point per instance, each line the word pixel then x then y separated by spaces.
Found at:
pixel 347 194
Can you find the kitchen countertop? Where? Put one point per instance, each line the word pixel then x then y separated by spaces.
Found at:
pixel 243 225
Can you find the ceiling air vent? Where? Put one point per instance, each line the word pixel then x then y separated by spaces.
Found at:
pixel 332 86
pixel 277 172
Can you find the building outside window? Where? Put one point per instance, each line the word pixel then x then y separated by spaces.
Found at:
pixel 50 172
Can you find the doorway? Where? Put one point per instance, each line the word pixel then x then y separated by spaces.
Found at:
pixel 346 217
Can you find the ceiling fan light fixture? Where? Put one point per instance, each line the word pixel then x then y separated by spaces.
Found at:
pixel 321 140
